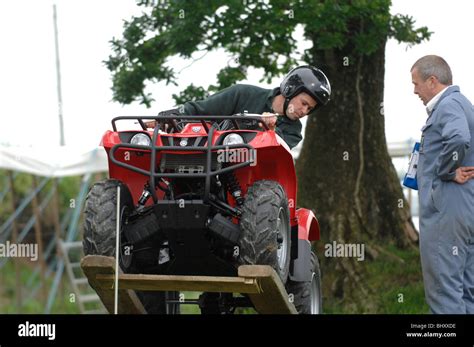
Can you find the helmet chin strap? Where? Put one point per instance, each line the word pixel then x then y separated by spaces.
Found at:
pixel 285 105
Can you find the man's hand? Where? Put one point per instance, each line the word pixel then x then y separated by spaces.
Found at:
pixel 464 174
pixel 270 120
pixel 151 124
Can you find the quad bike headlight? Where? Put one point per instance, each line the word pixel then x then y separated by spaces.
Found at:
pixel 140 139
pixel 233 139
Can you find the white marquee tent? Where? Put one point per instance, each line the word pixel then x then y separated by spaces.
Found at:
pixel 53 161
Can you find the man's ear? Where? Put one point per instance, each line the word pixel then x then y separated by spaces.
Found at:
pixel 434 80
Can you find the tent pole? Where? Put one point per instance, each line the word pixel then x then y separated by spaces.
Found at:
pixel 58 78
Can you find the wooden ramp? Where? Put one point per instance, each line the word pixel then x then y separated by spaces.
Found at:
pixel 260 282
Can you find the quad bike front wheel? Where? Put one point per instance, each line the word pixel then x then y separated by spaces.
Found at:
pixel 100 215
pixel 307 296
pixel 265 228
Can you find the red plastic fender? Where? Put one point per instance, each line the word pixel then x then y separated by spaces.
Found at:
pixel 308 225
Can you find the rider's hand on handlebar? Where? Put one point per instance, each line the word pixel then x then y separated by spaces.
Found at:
pixel 270 120
pixel 151 124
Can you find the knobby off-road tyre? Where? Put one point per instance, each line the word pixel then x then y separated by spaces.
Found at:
pixel 265 228
pixel 307 296
pixel 100 216
pixel 100 231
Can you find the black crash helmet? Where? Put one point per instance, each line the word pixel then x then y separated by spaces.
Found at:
pixel 306 79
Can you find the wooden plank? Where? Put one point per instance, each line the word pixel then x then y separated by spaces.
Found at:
pixel 181 283
pixel 260 282
pixel 273 299
pixel 128 301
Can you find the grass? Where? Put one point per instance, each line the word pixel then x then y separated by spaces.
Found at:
pixel 396 288
pixel 190 309
pixel 35 305
pixel 401 285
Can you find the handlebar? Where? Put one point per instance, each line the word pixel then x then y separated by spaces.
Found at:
pixel 171 119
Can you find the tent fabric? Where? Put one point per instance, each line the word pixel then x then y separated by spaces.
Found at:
pixel 53 161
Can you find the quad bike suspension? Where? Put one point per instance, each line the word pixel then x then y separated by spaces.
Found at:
pixel 233 186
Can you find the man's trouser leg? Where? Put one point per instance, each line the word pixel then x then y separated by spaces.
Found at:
pixel 443 256
pixel 469 279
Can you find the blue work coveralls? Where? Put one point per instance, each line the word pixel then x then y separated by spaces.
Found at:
pixel 446 207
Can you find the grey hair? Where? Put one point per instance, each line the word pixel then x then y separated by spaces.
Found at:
pixel 433 65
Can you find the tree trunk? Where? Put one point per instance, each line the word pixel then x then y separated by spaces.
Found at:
pixel 346 174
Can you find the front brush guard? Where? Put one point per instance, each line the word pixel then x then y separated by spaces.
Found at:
pixel 208 149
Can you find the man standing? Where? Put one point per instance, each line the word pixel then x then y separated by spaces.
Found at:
pixel 446 189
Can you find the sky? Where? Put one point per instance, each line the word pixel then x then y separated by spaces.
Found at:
pixel 28 87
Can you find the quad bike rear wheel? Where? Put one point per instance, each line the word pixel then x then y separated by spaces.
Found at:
pixel 100 232
pixel 265 228
pixel 307 296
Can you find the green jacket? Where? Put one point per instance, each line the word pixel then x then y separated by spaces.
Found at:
pixel 242 97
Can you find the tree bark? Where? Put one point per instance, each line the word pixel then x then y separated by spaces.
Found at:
pixel 345 172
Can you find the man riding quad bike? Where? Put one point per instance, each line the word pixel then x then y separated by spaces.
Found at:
pixel 201 195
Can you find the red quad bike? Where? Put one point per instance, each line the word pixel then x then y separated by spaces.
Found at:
pixel 201 195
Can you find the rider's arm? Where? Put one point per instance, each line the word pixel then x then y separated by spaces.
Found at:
pixel 289 130
pixel 224 102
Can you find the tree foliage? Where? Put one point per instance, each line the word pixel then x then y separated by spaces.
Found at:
pixel 256 34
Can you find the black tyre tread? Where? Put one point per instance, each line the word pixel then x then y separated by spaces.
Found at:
pixel 100 216
pixel 258 224
pixel 301 290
